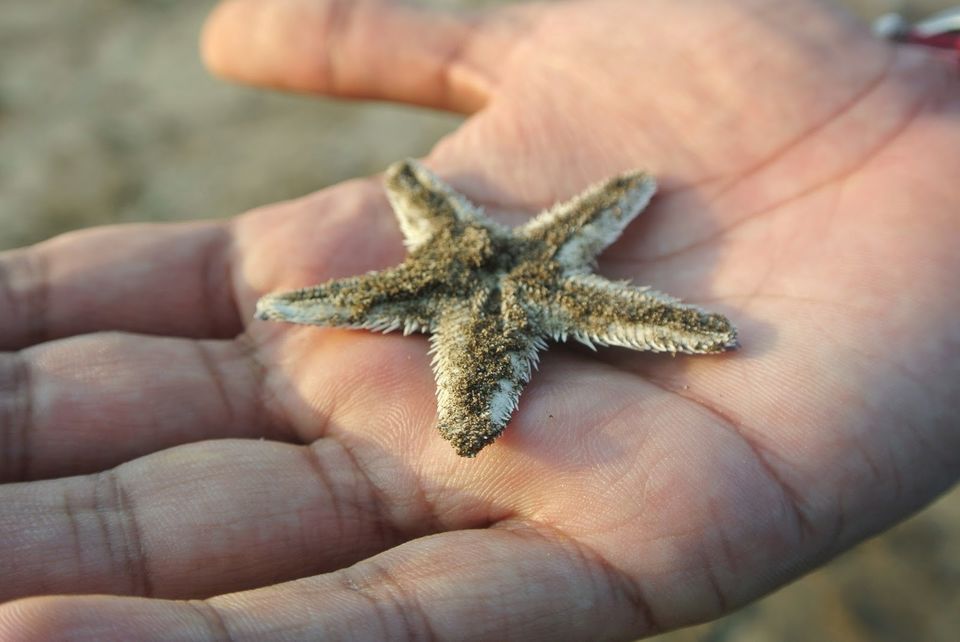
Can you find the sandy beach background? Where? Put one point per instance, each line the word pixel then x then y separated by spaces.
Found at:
pixel 107 116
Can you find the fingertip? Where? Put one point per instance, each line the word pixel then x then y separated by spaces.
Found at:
pixel 102 618
pixel 41 618
pixel 16 624
pixel 278 44
pixel 349 48
pixel 212 35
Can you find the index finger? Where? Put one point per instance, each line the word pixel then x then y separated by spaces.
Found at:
pixel 167 279
pixel 358 49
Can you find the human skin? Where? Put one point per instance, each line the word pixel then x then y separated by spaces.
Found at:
pixel 177 470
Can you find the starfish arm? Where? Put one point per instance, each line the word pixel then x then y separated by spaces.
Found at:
pixel 579 229
pixel 402 298
pixel 481 369
pixel 594 310
pixel 424 204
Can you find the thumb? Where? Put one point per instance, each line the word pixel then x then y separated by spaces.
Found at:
pixel 354 49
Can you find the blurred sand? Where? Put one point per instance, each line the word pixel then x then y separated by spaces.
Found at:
pixel 107 116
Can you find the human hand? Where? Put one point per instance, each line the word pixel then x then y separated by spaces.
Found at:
pixel 807 194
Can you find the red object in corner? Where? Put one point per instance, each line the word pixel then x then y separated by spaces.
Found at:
pixel 939 41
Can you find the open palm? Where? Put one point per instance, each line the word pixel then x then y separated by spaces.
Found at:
pixel 807 193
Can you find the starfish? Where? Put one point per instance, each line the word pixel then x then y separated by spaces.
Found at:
pixel 490 296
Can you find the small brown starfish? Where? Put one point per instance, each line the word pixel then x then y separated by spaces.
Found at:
pixel 491 296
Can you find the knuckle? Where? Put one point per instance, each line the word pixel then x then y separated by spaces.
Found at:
pixel 16 416
pixel 394 604
pixel 122 538
pixel 23 294
pixel 214 620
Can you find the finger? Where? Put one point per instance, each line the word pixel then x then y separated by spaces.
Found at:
pixel 356 49
pixel 496 584
pixel 155 279
pixel 204 519
pixel 88 403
